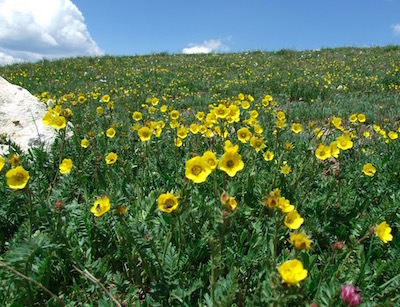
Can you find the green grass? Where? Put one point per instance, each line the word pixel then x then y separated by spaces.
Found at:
pixel 54 251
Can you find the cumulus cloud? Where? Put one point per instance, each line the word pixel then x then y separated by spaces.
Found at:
pixel 33 30
pixel 208 46
pixel 396 29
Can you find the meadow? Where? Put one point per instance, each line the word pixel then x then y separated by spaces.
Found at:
pixel 243 179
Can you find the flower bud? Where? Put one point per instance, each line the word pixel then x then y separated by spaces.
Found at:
pixel 337 246
pixel 350 295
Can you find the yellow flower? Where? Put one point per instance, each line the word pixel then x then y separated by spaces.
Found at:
pixel 164 108
pixel 47 118
pixel 229 202
pixel 178 142
pixel 67 113
pixel 144 134
pixel 105 98
pixel 353 118
pixel 221 111
pixel 167 202
pixel 111 158
pixel 182 132
pixel 258 129
pixel 85 143
pixel 293 220
pixel 323 152
pixel 136 116
pixel 284 205
pixel 157 131
pixel 211 159
pixel 288 146
pixel 154 101
pixel 197 169
pixel 58 122
pixel 285 169
pixel 200 115
pixel 17 178
pixel 174 124
pixel 280 123
pixel 266 100
pixel 369 170
pixel 393 135
pixel 14 160
pixel 231 162
pixel 81 99
pixel 229 146
pixel 300 241
pixel 257 143
pixel 99 111
pixel 376 128
pixel 203 129
pixel 2 162
pixel 296 127
pixel 272 200
pixel 281 115
pixel 110 133
pixel 245 104
pixel 194 128
pixel 383 231
pixel 101 206
pixel 268 155
pixel 253 114
pixel 234 113
pixel 337 122
pixel 334 149
pixel 57 110
pixel 344 142
pixel 66 166
pixel 244 134
pixel 361 118
pixel 174 114
pixel 292 272
pixel 318 132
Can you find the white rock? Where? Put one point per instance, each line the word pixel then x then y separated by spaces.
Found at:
pixel 21 116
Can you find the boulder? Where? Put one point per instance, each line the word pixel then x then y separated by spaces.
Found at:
pixel 21 116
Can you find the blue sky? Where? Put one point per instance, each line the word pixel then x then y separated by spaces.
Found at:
pixel 122 27
pixel 129 27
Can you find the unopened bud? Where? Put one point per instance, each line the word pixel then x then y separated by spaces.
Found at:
pixel 337 246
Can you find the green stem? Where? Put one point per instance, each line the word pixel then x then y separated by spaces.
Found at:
pixel 180 238
pixel 29 210
pixel 360 277
pixel 168 240
pixel 348 256
pixel 323 273
pixel 30 280
pixel 278 224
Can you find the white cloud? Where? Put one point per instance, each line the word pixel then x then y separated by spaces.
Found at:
pixel 33 30
pixel 212 45
pixel 396 29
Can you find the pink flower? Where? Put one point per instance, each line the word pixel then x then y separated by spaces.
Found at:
pixel 350 295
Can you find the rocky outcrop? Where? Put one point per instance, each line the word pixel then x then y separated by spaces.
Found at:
pixel 21 116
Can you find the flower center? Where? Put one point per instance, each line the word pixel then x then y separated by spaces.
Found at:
pixel 19 177
pixel 230 163
pixel 169 203
pixel 196 170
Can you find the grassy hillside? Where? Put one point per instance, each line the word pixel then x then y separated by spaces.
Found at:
pixel 255 179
